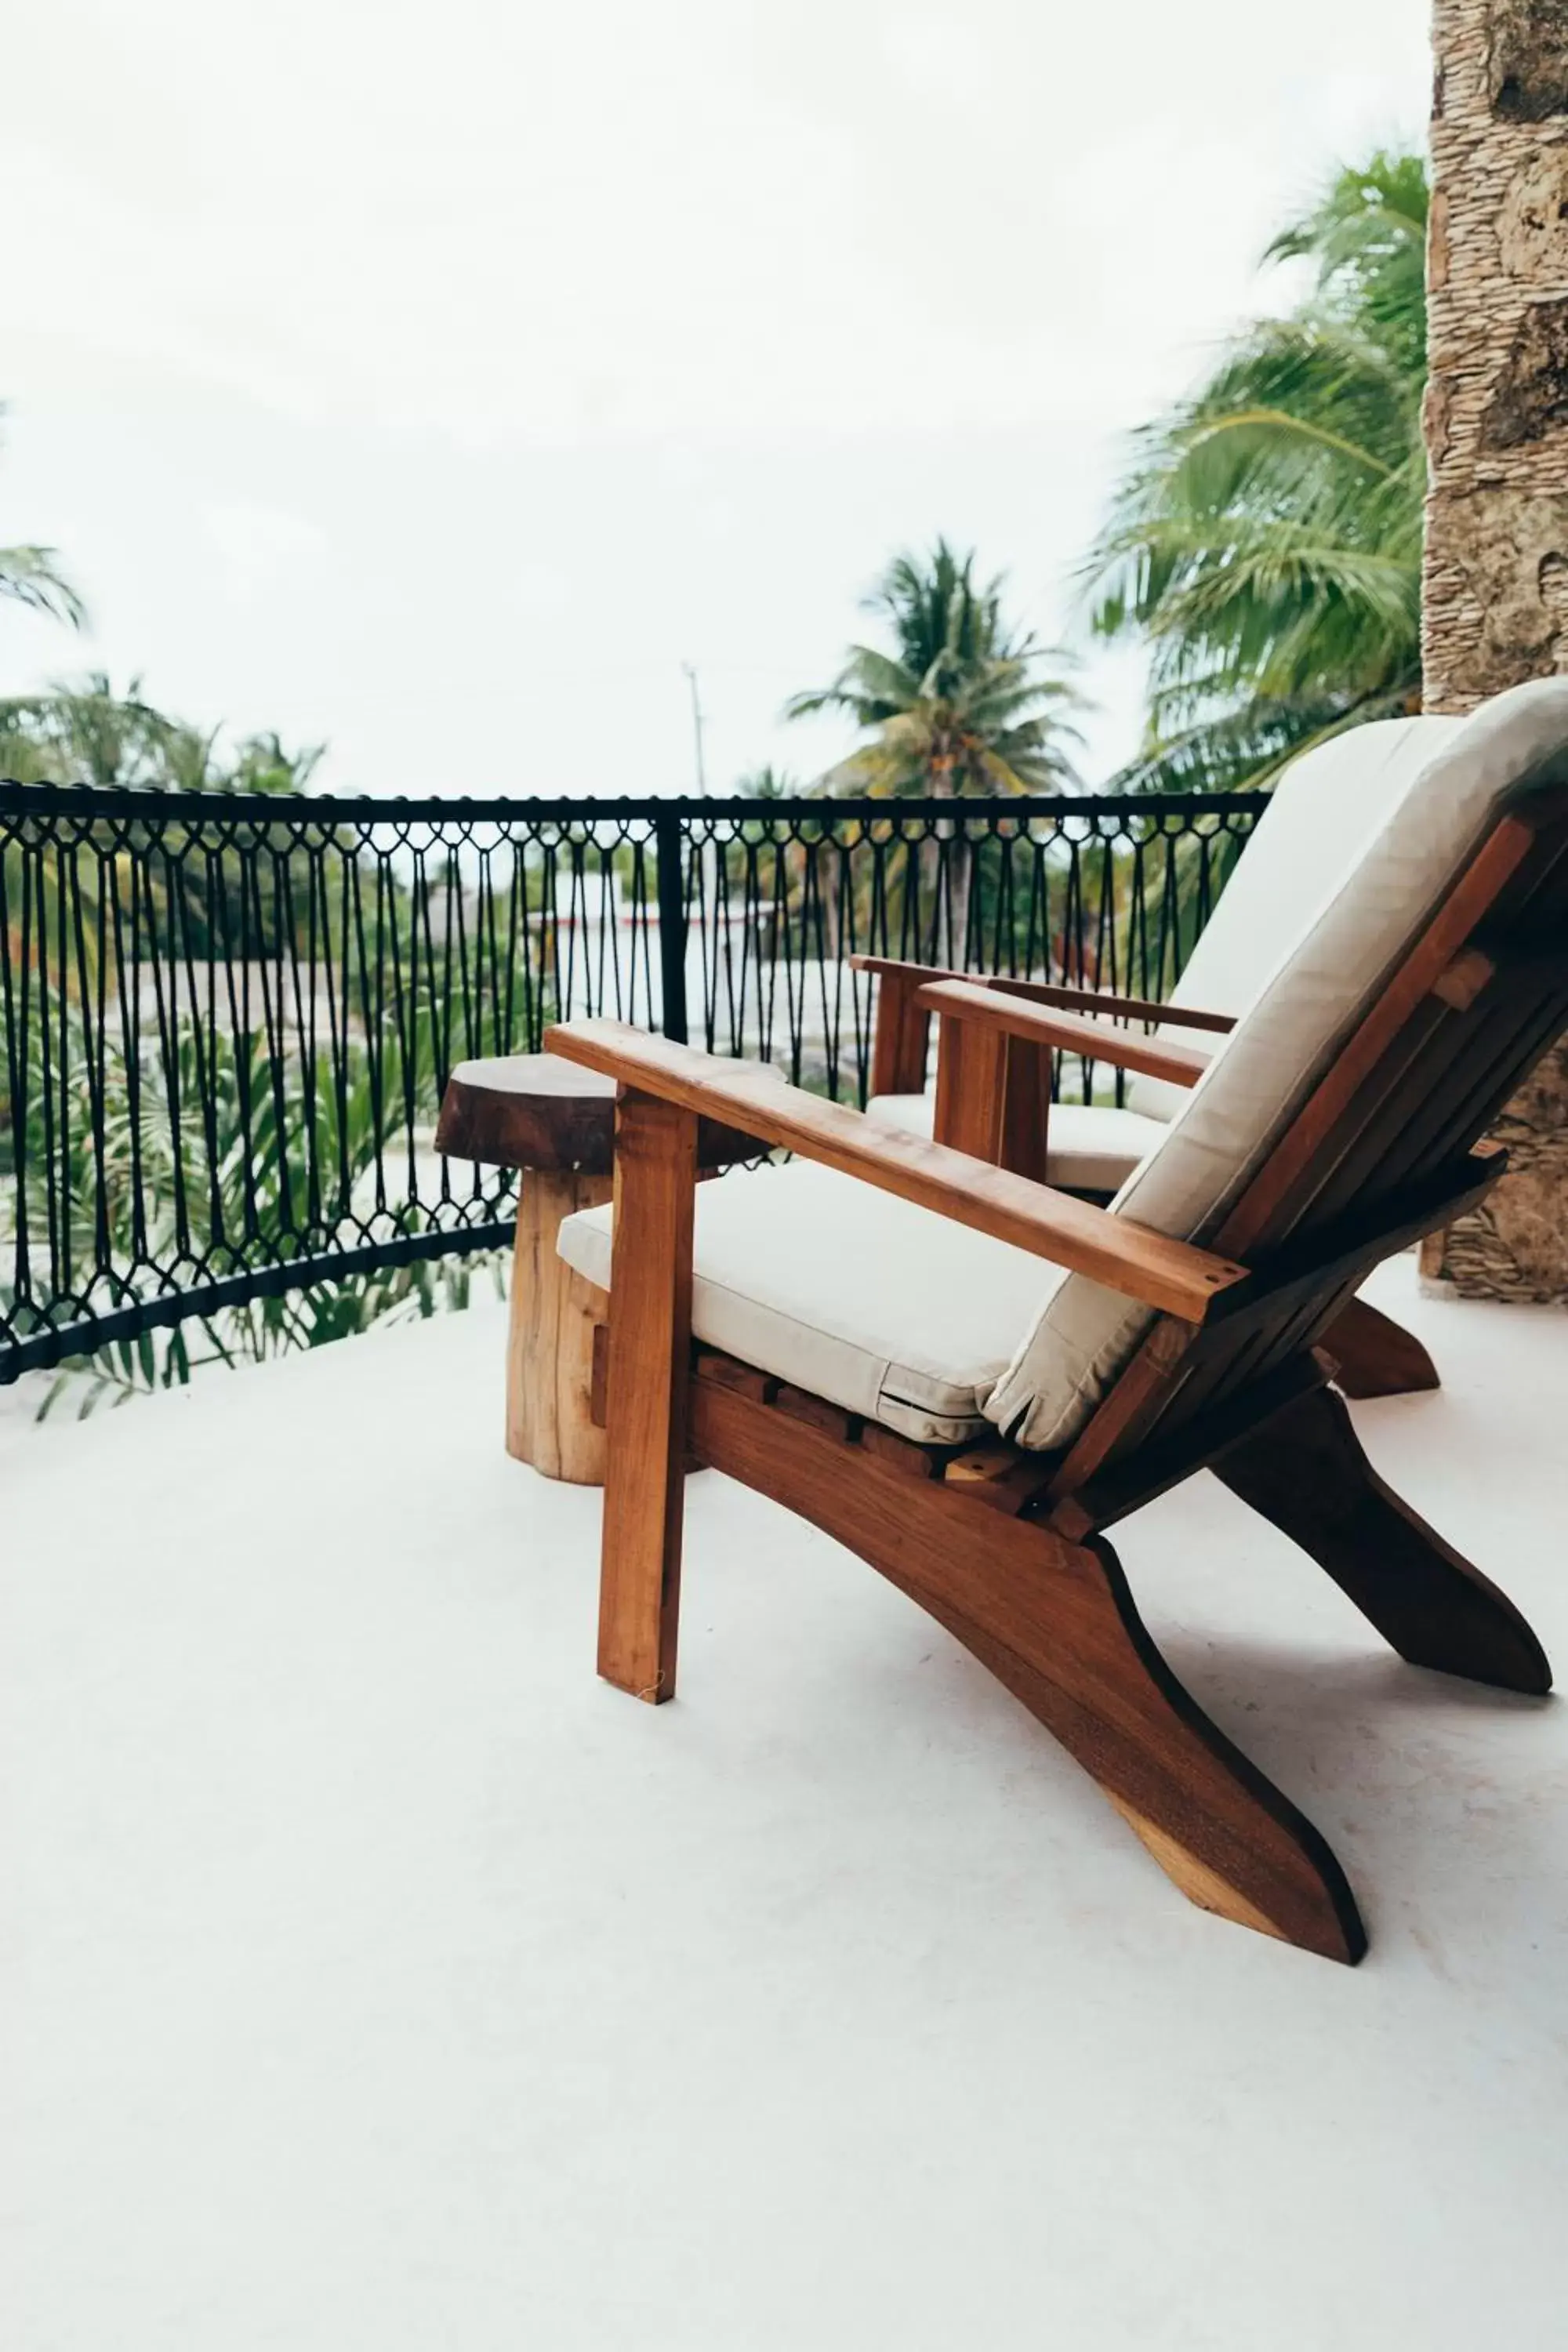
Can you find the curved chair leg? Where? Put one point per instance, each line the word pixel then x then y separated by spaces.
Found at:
pixel 1376 1356
pixel 1055 1623
pixel 1218 1827
pixel 1306 1473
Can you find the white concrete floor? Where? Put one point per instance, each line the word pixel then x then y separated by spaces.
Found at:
pixel 374 1980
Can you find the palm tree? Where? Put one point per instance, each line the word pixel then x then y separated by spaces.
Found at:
pixel 263 764
pixel 1265 537
pixel 81 732
pixel 31 576
pixel 963 704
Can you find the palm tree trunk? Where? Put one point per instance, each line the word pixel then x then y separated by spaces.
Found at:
pixel 1495 585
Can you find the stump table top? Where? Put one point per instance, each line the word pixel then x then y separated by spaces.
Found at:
pixel 536 1110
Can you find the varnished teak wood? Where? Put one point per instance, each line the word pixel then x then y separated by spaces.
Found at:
pixel 1307 1473
pixel 968 1010
pixel 1376 1356
pixel 911 977
pixel 1055 1623
pixel 900 1040
pixel 1022 1143
pixel 993 1097
pixel 970 1072
pixel 538 1111
pixel 1286 1178
pixel 555 1122
pixel 1175 1276
pixel 1149 1471
pixel 554 1318
pixel 651 1343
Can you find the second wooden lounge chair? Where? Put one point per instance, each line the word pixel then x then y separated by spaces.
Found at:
pixel 1327 807
pixel 852 1307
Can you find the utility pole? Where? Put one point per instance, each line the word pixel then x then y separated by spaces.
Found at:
pixel 697 729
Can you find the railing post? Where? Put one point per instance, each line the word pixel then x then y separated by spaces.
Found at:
pixel 666 840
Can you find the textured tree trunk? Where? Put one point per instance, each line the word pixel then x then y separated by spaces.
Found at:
pixel 1495 590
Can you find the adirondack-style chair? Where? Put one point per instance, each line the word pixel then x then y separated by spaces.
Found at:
pixel 1327 807
pixel 882 1350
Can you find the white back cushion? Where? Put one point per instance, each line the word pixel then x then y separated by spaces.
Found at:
pixel 1327 807
pixel 1083 1334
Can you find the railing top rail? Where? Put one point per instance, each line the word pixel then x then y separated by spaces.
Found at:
pixel 328 808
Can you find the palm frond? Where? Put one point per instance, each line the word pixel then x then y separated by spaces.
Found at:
pixel 32 576
pixel 1265 538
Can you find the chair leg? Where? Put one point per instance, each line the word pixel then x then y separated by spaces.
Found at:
pixel 1376 1356
pixel 1307 1474
pixel 1218 1828
pixel 646 1395
pixel 1055 1622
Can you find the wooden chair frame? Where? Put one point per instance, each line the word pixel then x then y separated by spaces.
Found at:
pixel 1007 1548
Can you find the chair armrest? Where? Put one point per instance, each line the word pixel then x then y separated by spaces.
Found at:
pixel 1040 992
pixel 1036 1025
pixel 1174 1277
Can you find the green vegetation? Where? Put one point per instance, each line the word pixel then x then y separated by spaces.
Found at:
pixel 1264 545
pixel 82 731
pixel 768 784
pixel 1266 538
pixel 32 576
pixel 197 1149
pixel 216 1155
pixel 964 703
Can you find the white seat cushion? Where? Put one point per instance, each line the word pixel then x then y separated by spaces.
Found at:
pixel 1327 807
pixel 1090 1146
pixel 888 1309
pixel 1267 1064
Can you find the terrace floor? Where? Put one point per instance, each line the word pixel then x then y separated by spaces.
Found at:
pixel 373 1976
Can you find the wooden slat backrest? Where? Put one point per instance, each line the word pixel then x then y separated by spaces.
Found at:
pixel 901 1036
pixel 1404 1102
pixel 1420 1080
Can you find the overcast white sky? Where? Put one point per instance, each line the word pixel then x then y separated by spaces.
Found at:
pixel 436 381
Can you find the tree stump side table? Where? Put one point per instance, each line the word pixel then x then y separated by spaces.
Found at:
pixel 556 1124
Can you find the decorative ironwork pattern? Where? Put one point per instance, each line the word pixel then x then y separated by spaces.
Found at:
pixel 226 1022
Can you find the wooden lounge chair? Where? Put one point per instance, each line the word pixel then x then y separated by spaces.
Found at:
pixel 1327 805
pixel 842 1304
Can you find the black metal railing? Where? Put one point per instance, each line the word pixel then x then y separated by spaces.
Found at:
pixel 226 1021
